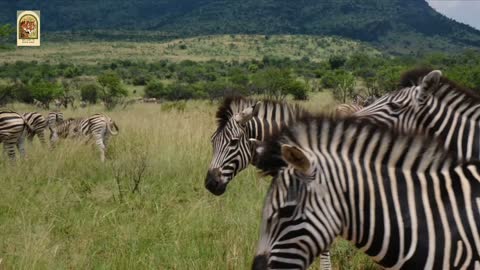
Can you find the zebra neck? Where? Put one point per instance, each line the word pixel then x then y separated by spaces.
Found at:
pixel 455 120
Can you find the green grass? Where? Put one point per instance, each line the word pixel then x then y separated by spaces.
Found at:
pixel 222 47
pixel 62 209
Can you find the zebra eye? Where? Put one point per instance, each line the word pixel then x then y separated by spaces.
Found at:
pixel 233 142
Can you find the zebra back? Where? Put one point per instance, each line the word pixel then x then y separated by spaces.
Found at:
pixel 404 200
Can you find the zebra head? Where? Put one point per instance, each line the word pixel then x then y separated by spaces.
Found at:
pixel 402 109
pixel 232 150
pixel 295 221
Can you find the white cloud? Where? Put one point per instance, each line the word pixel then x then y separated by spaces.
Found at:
pixel 465 11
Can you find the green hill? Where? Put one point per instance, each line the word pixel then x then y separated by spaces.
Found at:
pixel 399 26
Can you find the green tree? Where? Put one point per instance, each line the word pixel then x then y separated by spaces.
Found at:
pixel 155 89
pixel 344 85
pixel 112 89
pixel 45 91
pixel 89 92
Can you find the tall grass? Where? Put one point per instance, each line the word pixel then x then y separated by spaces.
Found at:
pixel 63 209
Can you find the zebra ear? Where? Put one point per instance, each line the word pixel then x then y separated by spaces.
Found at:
pixel 296 157
pixel 431 80
pixel 246 115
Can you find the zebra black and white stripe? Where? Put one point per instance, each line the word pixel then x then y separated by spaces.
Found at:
pixel 98 127
pixel 405 201
pixel 431 104
pixel 54 118
pixel 13 129
pixel 242 124
pixel 343 110
pixel 38 124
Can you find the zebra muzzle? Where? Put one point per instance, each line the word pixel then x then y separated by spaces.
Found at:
pixel 260 263
pixel 213 182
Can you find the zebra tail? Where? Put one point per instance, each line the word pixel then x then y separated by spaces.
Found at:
pixel 27 126
pixel 114 125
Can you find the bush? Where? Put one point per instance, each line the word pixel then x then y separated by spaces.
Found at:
pixel 89 93
pixel 298 90
pixel 155 89
pixel 45 91
pixel 337 61
pixel 111 90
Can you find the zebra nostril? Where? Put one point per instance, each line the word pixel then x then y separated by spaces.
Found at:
pixel 260 263
pixel 213 182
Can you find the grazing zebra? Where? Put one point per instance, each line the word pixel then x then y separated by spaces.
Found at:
pixel 405 201
pixel 431 104
pixel 38 125
pixel 98 126
pixel 54 118
pixel 344 110
pixel 242 124
pixel 13 129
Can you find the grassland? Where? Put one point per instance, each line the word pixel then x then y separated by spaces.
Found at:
pixel 223 48
pixel 62 209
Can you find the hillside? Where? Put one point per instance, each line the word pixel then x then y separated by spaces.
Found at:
pixel 203 48
pixel 400 26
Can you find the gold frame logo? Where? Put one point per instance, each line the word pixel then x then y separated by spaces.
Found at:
pixel 28 28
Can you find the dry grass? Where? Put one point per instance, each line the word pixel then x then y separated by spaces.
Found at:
pixel 62 209
pixel 224 48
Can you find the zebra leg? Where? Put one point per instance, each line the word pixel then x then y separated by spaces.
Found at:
pixel 9 149
pixel 101 146
pixel 41 136
pixel 325 263
pixel 21 146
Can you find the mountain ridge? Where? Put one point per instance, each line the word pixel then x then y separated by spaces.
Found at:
pixel 397 26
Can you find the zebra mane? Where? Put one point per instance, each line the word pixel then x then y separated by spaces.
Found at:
pixel 414 77
pixel 235 104
pixel 269 160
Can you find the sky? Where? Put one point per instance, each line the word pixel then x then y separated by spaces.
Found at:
pixel 466 11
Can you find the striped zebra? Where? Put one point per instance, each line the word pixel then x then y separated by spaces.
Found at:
pixel 13 129
pixel 431 104
pixel 243 124
pixel 54 118
pixel 98 127
pixel 345 109
pixel 405 201
pixel 38 124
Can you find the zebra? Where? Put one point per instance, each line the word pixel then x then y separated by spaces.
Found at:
pixel 431 104
pixel 403 200
pixel 54 118
pixel 38 125
pixel 242 125
pixel 13 129
pixel 345 109
pixel 97 126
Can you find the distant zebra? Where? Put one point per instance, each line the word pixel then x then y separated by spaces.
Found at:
pixel 344 110
pixel 13 129
pixel 404 201
pixel 38 125
pixel 431 104
pixel 54 118
pixel 98 127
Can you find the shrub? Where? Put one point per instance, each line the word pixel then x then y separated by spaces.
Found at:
pixel 155 89
pixel 89 92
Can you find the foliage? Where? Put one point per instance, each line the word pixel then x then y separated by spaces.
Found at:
pixel 155 89
pixel 396 26
pixel 344 85
pixel 45 91
pixel 111 89
pixel 89 92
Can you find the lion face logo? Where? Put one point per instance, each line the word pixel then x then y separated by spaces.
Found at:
pixel 28 27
